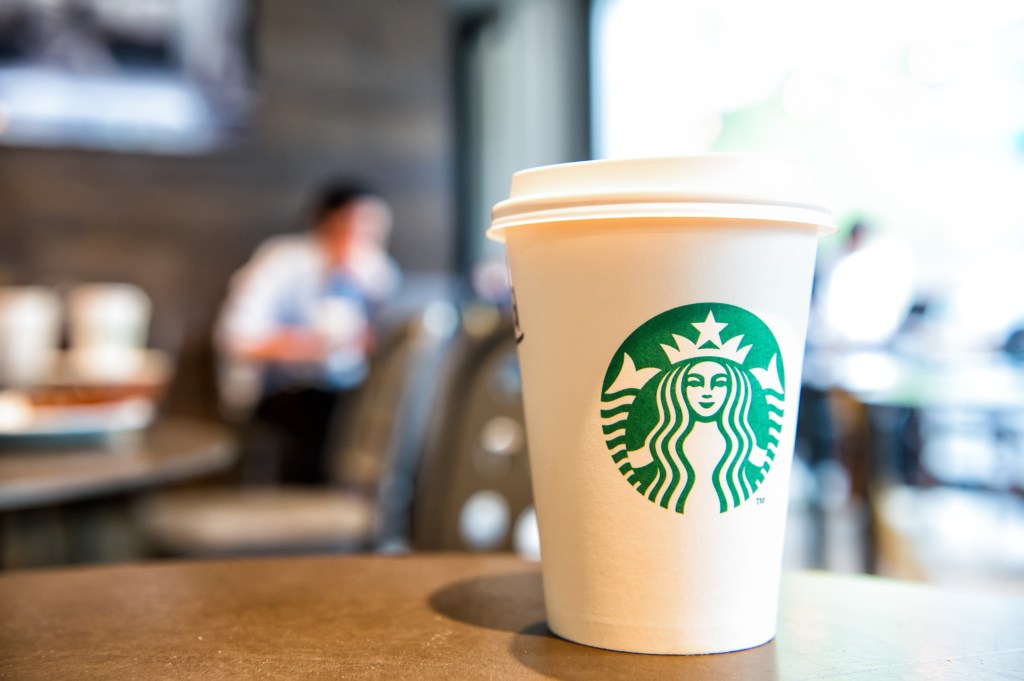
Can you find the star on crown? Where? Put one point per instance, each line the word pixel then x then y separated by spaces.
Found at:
pixel 709 343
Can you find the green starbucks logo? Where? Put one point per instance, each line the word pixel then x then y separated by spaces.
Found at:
pixel 692 406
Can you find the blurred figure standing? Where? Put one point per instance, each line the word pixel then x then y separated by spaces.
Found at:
pixel 863 297
pixel 296 331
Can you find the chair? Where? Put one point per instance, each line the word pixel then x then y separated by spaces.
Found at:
pixel 362 509
pixel 473 491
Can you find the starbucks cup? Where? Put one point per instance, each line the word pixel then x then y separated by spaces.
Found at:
pixel 29 334
pixel 661 311
pixel 109 324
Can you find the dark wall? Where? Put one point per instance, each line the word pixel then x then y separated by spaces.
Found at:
pixel 355 87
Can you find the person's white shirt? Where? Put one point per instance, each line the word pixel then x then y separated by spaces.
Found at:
pixel 866 296
pixel 286 284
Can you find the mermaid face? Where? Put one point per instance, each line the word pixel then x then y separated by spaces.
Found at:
pixel 707 386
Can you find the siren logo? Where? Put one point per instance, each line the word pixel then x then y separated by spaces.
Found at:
pixel 692 406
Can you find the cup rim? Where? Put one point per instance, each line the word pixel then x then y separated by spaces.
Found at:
pixel 712 185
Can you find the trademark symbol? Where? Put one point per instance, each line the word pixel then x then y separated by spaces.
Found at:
pixel 760 500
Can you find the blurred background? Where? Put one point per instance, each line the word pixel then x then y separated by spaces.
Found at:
pixel 153 152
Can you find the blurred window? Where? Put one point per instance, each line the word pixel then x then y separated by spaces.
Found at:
pixel 910 113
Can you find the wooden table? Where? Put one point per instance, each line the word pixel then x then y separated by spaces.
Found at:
pixel 71 500
pixel 33 475
pixel 457 617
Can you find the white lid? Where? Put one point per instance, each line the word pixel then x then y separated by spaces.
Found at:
pixel 762 187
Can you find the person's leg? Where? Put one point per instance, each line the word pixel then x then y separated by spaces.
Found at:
pixel 303 417
pixel 339 439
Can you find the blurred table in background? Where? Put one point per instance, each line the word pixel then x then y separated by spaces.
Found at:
pixel 983 381
pixel 429 616
pixel 938 454
pixel 51 487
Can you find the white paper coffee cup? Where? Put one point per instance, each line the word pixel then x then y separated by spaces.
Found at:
pixel 109 327
pixel 662 307
pixel 29 334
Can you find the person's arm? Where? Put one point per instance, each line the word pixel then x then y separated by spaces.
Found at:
pixel 249 328
pixel 284 345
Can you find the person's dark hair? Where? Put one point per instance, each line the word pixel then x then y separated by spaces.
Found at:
pixel 338 194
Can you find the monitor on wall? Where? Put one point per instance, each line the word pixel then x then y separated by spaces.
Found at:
pixel 161 76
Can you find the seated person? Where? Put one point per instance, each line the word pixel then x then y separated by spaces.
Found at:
pixel 296 331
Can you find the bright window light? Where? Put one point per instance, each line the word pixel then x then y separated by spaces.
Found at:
pixel 909 112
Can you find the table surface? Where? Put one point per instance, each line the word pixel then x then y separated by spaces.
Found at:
pixel 459 617
pixel 981 381
pixel 51 472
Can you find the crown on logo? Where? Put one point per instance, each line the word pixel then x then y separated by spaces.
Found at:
pixel 710 336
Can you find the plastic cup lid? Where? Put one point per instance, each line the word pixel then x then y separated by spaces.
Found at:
pixel 757 187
